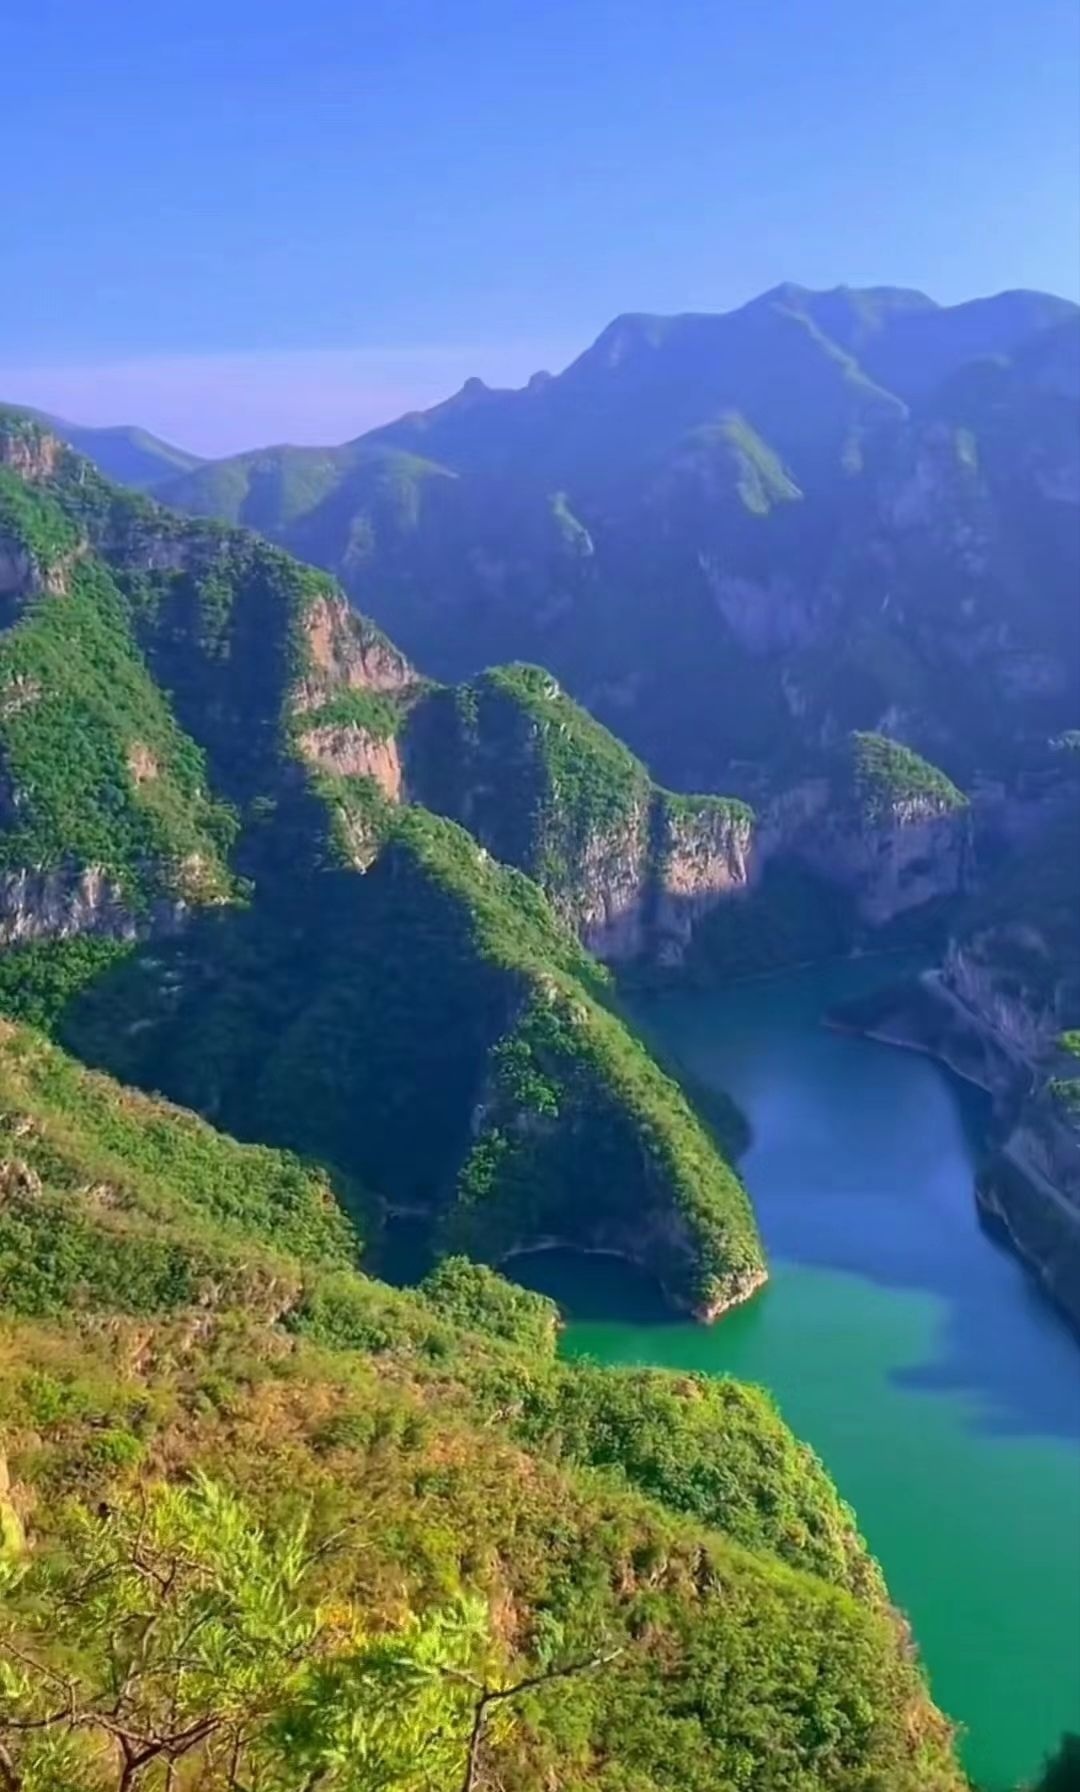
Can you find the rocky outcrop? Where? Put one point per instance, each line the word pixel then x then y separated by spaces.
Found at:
pixel 142 763
pixel 983 974
pixel 1028 1190
pixel 355 752
pixel 705 855
pixel 343 652
pixel 60 903
pixel 30 452
pixel 643 1249
pixel 996 1013
pixel 644 886
pixel 23 576
pixel 736 1289
pixel 766 618
pixel 1030 1193
pixel 608 902
pixel 880 823
pixel 914 854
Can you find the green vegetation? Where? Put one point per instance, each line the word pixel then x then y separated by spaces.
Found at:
pixel 1065 1092
pixel 577 1113
pixel 40 980
pixel 303 496
pixel 369 1517
pixel 98 771
pixel 735 537
pixel 30 519
pixel 362 1021
pixel 429 988
pixel 883 777
pixel 374 711
pixel 592 785
pixel 609 1579
pixel 542 784
pixel 147 1156
pixel 479 1300
pixel 733 450
pixel 189 1633
pixel 428 985
pixel 549 790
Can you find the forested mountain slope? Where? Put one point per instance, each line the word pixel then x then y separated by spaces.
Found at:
pixel 263 1518
pixel 734 537
pixel 216 888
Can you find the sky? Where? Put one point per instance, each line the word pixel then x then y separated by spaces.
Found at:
pixel 242 221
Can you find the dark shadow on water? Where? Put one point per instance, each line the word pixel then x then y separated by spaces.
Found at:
pixel 864 1161
pixel 403 1253
pixel 1026 1372
pixel 592 1288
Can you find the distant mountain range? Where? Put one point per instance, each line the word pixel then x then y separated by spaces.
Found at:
pixel 123 451
pixel 734 537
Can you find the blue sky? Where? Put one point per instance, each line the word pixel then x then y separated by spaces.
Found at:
pixel 248 220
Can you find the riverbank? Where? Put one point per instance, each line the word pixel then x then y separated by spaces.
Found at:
pixel 898 1338
pixel 1028 1186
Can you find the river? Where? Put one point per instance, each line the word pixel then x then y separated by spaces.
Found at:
pixel 911 1350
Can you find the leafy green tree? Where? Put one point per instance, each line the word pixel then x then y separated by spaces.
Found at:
pixel 172 1642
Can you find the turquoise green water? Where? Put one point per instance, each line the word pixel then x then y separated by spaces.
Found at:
pixel 904 1344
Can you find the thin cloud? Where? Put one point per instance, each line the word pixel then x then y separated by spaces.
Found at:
pixel 222 403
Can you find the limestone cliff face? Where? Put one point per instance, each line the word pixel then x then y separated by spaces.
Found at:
pixel 63 902
pixel 635 869
pixel 766 618
pixel 343 652
pixel 706 855
pixel 1016 983
pixel 1030 1191
pixel 984 973
pixel 23 575
pixel 914 852
pixel 642 885
pixel 608 901
pixel 1007 991
pixel 355 752
pixel 31 453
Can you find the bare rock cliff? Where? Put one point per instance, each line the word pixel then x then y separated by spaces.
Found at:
pixel 65 901
pixel 355 752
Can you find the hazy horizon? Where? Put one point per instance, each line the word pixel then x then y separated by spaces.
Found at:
pixel 234 226
pixel 301 398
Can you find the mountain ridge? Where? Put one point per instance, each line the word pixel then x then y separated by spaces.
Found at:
pixel 125 452
pixel 725 505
